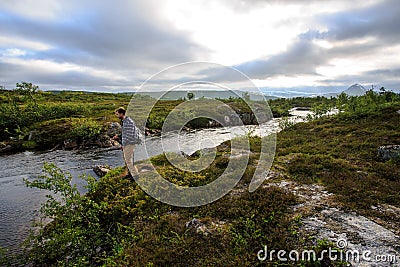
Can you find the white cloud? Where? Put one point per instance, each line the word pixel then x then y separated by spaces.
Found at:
pixel 37 9
pixel 21 43
pixel 14 52
pixel 235 37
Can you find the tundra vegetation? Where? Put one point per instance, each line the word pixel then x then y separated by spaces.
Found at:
pixel 117 224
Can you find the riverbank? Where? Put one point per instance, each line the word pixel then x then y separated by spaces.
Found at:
pixel 324 170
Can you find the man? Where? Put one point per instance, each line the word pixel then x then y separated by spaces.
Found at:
pixel 127 139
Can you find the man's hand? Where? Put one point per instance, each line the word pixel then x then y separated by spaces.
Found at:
pixel 122 148
pixel 115 137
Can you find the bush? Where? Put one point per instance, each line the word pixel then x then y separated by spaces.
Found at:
pixel 13 117
pixel 82 232
pixel 286 123
pixel 29 144
pixel 355 107
pixel 85 129
pixel 5 260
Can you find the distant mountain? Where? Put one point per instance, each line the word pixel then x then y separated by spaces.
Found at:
pixel 356 90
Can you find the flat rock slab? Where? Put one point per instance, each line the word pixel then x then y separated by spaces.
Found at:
pixel 357 234
pixel 323 219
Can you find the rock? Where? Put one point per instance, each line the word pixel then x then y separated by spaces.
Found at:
pixel 214 123
pixel 32 135
pixel 101 170
pixel 389 152
pixel 248 118
pixel 152 131
pixel 352 232
pixel 198 226
pixel 70 144
pixel 201 152
pixel 238 154
pixel 106 141
pixel 183 153
pixel 185 129
pixel 114 128
pixel 4 148
pixel 193 223
pixel 146 168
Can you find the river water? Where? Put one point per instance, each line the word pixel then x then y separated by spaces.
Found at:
pixel 19 205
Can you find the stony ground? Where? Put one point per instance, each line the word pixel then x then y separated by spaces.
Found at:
pixel 323 218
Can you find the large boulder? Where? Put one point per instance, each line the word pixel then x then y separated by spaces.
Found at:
pixel 389 152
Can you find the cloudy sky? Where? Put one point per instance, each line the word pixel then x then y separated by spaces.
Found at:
pixel 313 45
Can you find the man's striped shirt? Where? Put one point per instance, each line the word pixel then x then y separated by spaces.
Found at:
pixel 128 131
